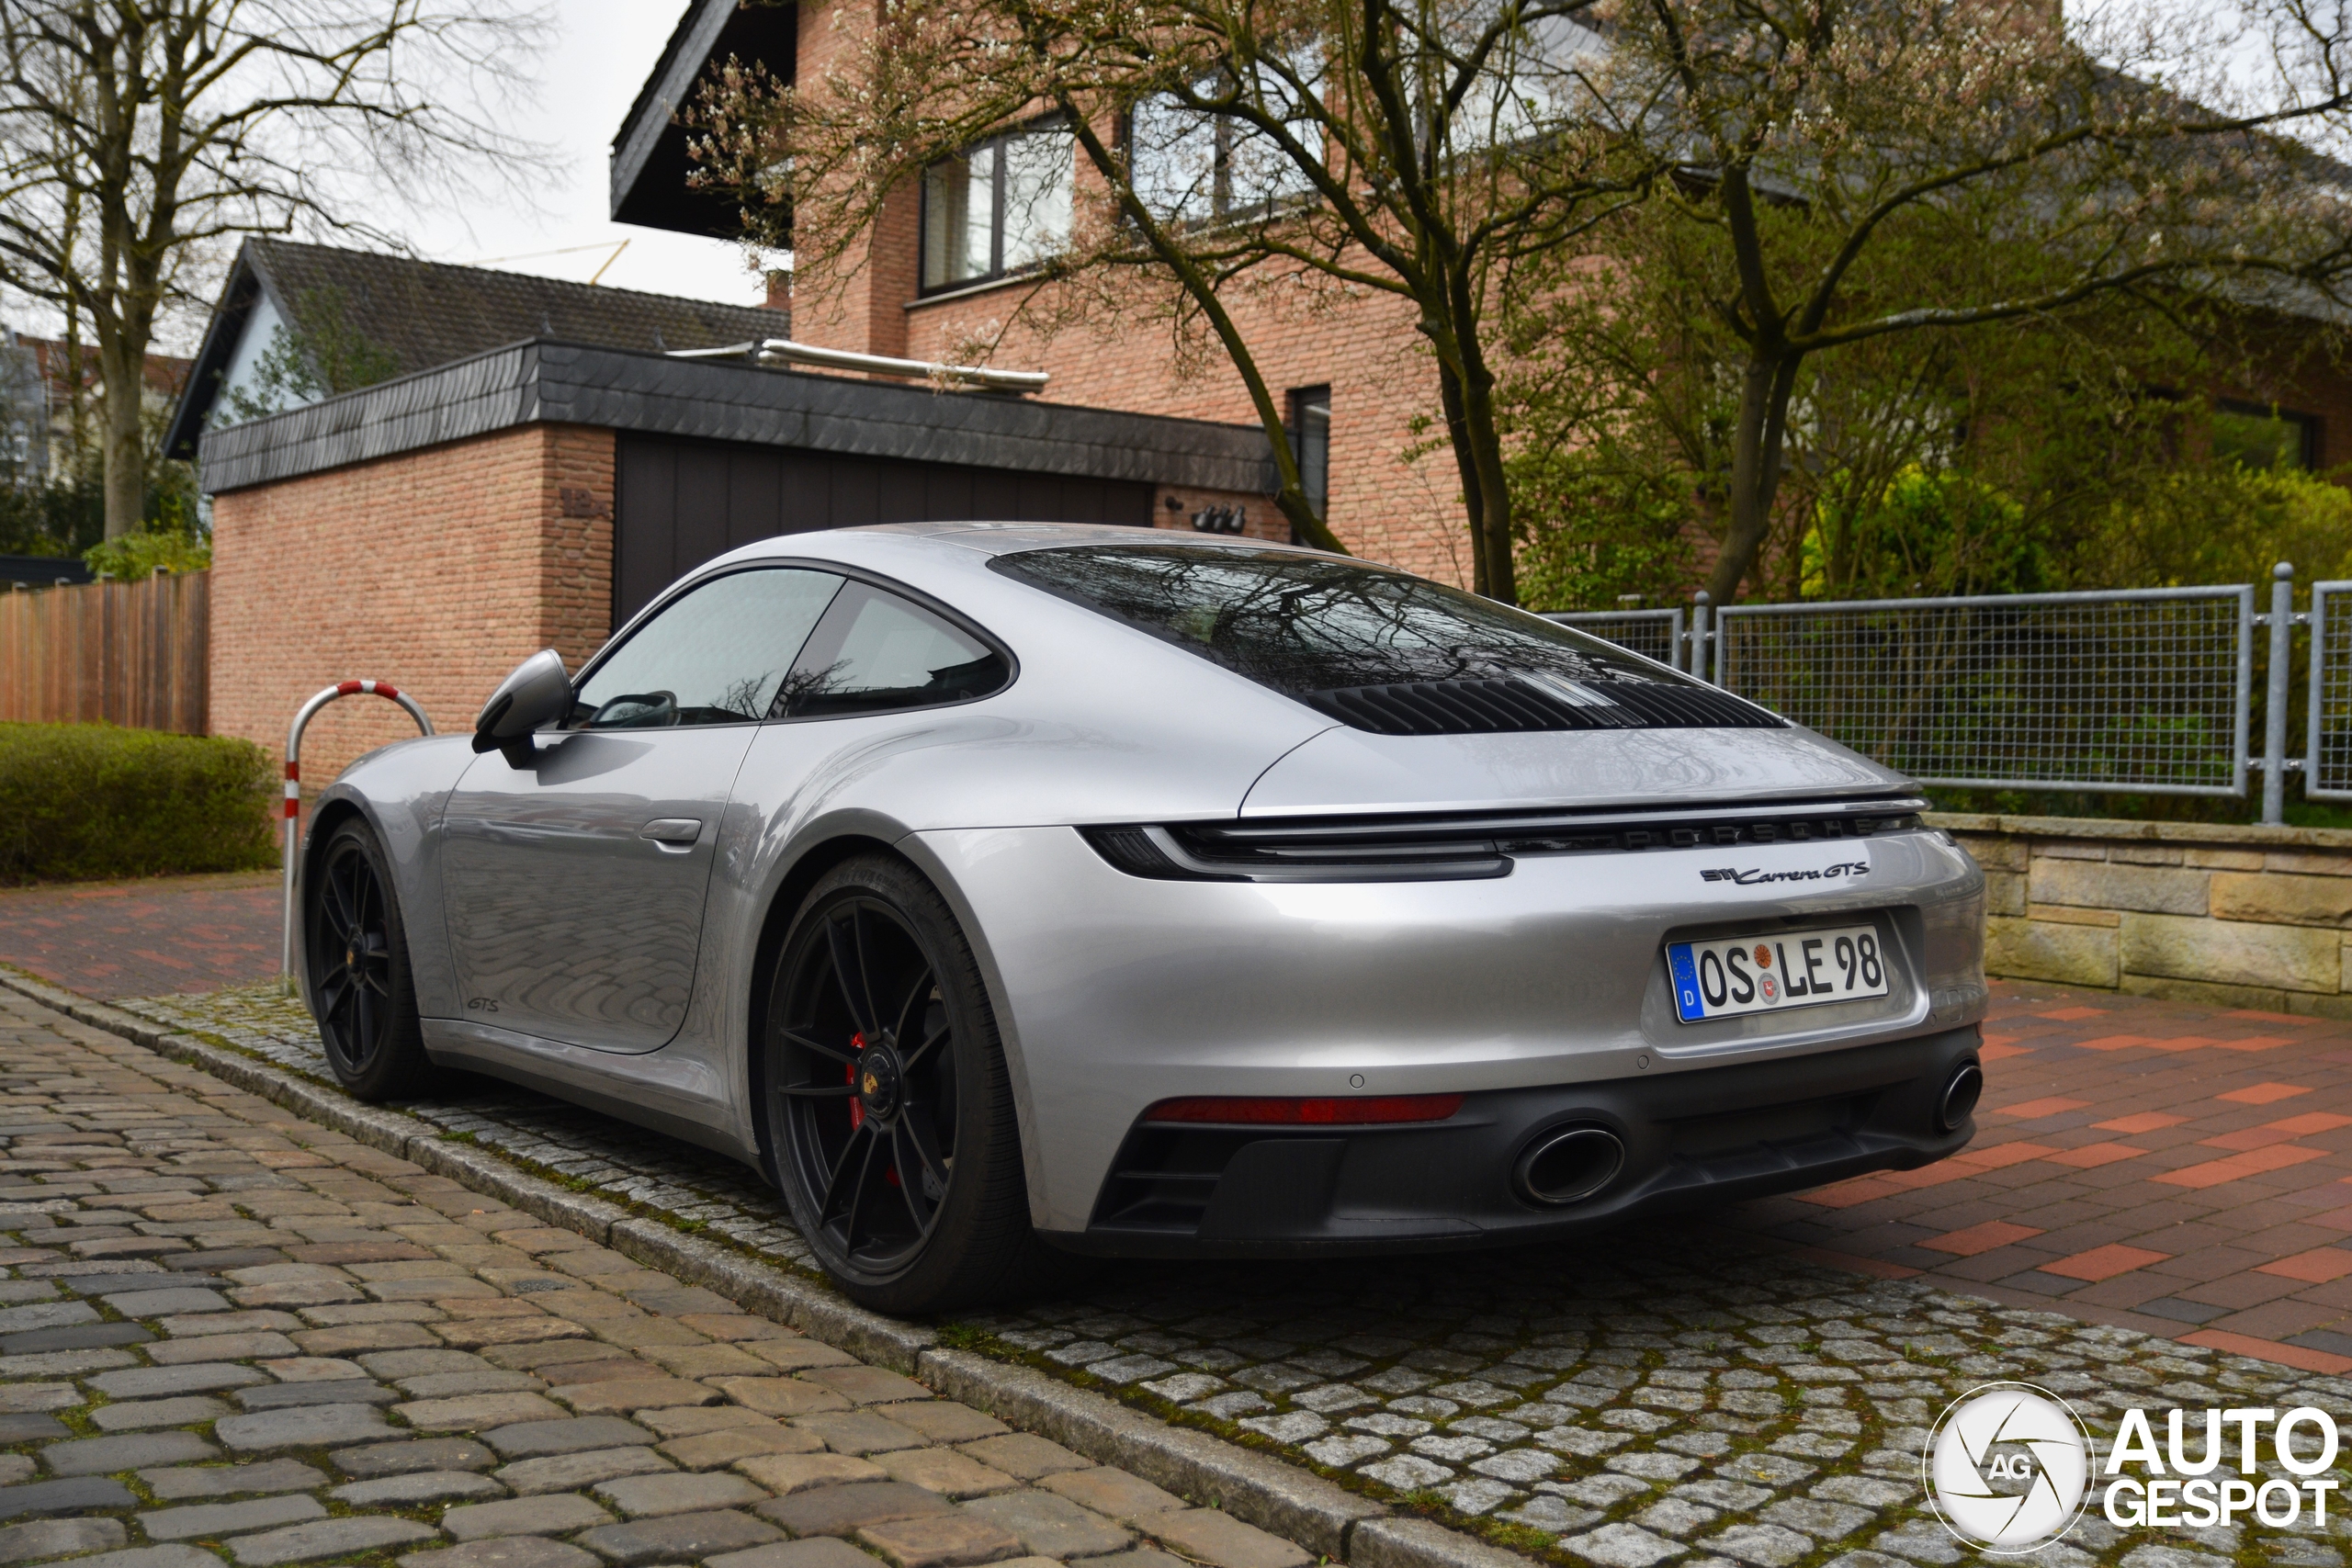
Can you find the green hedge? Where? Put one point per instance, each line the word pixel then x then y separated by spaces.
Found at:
pixel 81 801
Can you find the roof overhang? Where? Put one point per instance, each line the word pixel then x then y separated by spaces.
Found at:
pixel 222 335
pixel 543 382
pixel 650 164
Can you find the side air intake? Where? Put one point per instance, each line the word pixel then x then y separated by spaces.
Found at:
pixel 1513 705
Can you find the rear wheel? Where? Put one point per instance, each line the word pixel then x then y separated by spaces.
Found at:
pixel 890 1113
pixel 361 990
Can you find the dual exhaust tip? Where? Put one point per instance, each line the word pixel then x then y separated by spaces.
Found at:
pixel 1960 1098
pixel 1569 1165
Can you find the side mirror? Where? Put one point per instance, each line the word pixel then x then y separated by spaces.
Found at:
pixel 539 693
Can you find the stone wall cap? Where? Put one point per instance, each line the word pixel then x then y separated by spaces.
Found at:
pixel 2229 833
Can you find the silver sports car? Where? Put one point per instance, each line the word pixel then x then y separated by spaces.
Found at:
pixel 1007 891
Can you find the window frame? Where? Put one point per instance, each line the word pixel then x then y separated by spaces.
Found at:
pixel 2306 424
pixel 946 612
pixel 997 272
pixel 646 616
pixel 1302 400
pixel 1228 134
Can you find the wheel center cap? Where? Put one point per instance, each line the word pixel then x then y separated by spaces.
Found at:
pixel 879 1081
pixel 351 958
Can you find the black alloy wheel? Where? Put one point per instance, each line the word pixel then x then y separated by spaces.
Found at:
pixel 360 989
pixel 888 1110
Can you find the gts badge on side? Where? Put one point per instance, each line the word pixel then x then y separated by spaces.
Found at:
pixel 1752 878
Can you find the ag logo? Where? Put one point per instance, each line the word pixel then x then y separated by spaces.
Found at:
pixel 2009 1466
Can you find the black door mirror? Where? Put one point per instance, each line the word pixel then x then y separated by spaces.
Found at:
pixel 537 694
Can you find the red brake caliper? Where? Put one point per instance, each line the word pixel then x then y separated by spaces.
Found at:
pixel 849 1075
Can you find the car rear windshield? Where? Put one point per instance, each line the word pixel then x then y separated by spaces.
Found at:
pixel 1304 624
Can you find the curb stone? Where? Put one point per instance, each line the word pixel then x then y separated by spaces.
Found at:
pixel 1316 1513
pixel 1269 1493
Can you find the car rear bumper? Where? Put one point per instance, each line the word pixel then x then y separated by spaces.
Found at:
pixel 1689 1140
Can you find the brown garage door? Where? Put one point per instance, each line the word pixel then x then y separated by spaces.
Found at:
pixel 678 503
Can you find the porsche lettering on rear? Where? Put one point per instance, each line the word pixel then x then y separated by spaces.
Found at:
pixel 1816 873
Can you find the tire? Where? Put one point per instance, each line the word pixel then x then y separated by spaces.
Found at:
pixel 889 1113
pixel 362 991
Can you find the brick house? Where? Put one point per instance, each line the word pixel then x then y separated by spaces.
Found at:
pixel 933 272
pixel 546 463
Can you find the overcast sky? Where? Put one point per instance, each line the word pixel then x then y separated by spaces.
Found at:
pixel 600 55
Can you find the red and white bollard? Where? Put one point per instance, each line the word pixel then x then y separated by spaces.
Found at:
pixel 294 797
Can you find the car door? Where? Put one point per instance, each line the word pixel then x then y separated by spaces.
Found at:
pixel 575 885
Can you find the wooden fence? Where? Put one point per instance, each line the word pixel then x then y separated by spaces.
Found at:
pixel 128 653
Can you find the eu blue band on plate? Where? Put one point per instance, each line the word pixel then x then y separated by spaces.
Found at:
pixel 1686 982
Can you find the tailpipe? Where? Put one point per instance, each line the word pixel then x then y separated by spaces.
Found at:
pixel 1567 1166
pixel 1960 1098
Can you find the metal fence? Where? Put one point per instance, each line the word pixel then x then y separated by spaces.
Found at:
pixel 2144 691
pixel 2327 722
pixel 2131 692
pixel 1653 634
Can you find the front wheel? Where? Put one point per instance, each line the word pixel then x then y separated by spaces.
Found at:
pixel 889 1114
pixel 361 990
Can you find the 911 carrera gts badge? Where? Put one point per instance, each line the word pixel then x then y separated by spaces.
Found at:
pixel 1750 878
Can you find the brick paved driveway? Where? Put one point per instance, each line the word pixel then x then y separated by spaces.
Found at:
pixel 1699 1390
pixel 143 939
pixel 2153 1164
pixel 225 1332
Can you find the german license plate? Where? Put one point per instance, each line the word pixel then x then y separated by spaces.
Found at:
pixel 1771 974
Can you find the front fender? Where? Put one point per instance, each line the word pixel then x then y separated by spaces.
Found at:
pixel 400 790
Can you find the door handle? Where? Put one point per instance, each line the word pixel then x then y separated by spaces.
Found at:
pixel 672 832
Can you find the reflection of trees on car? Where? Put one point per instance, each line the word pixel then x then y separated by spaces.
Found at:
pixel 1304 624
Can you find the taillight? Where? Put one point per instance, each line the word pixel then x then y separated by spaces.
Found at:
pixel 1352 1112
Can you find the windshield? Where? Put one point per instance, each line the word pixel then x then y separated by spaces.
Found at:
pixel 1304 624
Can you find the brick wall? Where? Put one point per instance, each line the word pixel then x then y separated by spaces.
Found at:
pixel 2237 917
pixel 1261 519
pixel 437 571
pixel 1408 513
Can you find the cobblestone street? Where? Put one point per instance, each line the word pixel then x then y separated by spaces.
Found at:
pixel 1708 1392
pixel 229 1332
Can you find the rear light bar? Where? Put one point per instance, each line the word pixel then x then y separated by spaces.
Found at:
pixel 1353 1111
pixel 1471 845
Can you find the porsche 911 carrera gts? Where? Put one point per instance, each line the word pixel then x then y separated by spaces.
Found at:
pixel 1007 891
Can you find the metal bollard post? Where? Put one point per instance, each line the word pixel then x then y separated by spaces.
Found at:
pixel 293 855
pixel 2274 702
pixel 1699 635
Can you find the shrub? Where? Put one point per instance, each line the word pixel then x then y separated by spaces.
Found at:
pixel 80 801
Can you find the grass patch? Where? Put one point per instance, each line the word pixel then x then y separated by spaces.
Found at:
pixel 82 802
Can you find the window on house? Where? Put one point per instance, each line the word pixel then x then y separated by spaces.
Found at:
pixel 2263 437
pixel 1192 166
pixel 1310 440
pixel 1000 208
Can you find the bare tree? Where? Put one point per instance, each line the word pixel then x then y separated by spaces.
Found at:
pixel 139 137
pixel 1416 149
pixel 1851 172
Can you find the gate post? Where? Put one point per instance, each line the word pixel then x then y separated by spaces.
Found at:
pixel 2274 702
pixel 293 855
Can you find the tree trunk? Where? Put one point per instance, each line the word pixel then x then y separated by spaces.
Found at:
pixel 1483 439
pixel 125 443
pixel 1757 444
pixel 1449 389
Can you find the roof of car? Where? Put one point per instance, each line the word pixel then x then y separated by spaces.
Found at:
pixel 1007 538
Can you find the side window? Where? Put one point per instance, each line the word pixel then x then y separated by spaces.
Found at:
pixel 717 655
pixel 874 652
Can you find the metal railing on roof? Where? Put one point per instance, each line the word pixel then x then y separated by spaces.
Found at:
pixel 784 350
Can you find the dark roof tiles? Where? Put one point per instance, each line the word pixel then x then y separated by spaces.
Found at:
pixel 430 313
